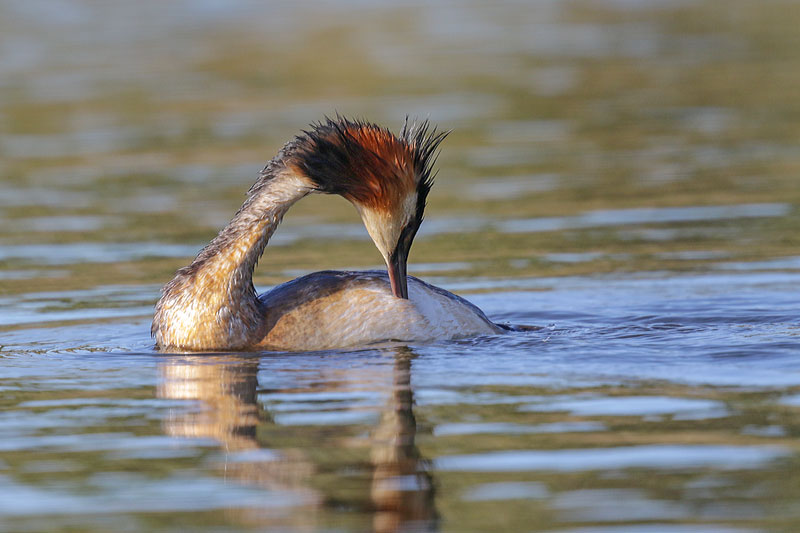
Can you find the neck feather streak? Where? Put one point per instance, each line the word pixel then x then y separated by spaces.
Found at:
pixel 212 304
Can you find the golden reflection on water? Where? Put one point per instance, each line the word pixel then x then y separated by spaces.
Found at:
pixel 226 387
pixel 400 491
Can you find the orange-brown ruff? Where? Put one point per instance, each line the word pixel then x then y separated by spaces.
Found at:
pixel 377 169
pixel 212 304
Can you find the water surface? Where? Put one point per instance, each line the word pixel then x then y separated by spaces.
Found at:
pixel 622 173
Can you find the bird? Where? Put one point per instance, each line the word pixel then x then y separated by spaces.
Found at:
pixel 212 305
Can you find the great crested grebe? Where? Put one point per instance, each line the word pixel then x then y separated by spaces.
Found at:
pixel 212 304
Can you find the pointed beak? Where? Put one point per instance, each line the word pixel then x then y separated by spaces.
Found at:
pixel 397 273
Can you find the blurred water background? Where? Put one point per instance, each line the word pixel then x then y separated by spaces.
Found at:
pixel 621 172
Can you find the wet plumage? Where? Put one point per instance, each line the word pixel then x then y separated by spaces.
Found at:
pixel 212 304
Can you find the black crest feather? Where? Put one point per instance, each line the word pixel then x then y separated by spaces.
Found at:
pixel 364 162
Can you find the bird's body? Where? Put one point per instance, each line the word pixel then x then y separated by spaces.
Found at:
pixel 358 308
pixel 212 304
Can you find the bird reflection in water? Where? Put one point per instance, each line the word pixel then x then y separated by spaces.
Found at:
pixel 402 489
pixel 397 490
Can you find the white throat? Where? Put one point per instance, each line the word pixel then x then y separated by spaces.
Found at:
pixel 385 227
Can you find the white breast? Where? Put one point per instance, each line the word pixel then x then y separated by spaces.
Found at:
pixel 343 309
pixel 445 314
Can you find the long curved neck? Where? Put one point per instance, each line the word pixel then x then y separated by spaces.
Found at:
pixel 212 304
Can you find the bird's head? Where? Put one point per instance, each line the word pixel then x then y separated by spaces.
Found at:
pixel 385 176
